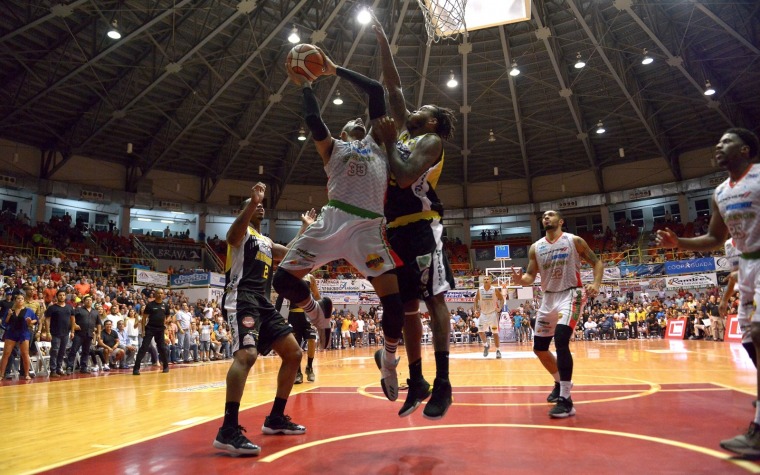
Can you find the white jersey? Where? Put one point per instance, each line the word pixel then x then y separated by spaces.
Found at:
pixel 732 255
pixel 357 175
pixel 558 263
pixel 739 206
pixel 489 303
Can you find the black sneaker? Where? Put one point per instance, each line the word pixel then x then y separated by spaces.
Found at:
pixel 440 400
pixel 165 370
pixel 233 441
pixel 554 395
pixel 563 408
pixel 746 445
pixel 418 392
pixel 299 378
pixel 281 425
pixel 310 376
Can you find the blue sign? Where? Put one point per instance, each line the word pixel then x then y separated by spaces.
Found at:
pixel 502 252
pixel 191 280
pixel 702 264
pixel 641 270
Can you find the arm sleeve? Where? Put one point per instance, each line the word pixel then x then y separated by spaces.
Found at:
pixel 312 117
pixel 278 303
pixel 370 86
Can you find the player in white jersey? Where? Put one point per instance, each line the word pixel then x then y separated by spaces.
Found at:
pixel 557 257
pixel 736 211
pixel 351 226
pixel 489 300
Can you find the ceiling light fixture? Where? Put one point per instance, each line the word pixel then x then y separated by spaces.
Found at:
pixel 261 169
pixel 452 80
pixel 337 101
pixel 709 90
pixel 113 32
pixel 293 37
pixel 600 128
pixel 301 134
pixel 579 63
pixel 491 136
pixel 364 16
pixel 647 59
pixel 167 221
pixel 515 70
pixel 144 219
pixel 495 171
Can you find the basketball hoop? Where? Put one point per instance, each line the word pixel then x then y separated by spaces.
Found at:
pixel 443 18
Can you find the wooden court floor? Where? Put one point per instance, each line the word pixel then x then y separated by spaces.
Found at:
pixel 643 406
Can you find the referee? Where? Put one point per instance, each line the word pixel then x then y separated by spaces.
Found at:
pixel 153 324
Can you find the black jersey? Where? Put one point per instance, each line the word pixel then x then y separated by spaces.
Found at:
pixel 249 266
pixel 157 313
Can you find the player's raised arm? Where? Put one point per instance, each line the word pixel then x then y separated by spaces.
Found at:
pixel 391 78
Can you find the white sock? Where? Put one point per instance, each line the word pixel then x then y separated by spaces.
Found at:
pixel 390 352
pixel 757 413
pixel 313 310
pixel 564 388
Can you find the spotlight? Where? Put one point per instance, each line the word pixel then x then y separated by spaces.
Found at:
pixel 301 134
pixel 364 17
pixel 452 80
pixel 261 169
pixel 337 101
pixel 495 171
pixel 293 37
pixel 647 59
pixel 709 90
pixel 579 63
pixel 600 128
pixel 514 71
pixel 113 32
pixel 491 136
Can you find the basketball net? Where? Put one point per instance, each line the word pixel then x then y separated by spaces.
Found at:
pixel 443 18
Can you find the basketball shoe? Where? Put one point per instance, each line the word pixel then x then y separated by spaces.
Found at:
pixel 281 425
pixel 388 375
pixel 418 392
pixel 563 408
pixel 440 400
pixel 232 440
pixel 746 445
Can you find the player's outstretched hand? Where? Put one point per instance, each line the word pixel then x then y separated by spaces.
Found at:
pixel 385 130
pixel 329 68
pixel 377 27
pixel 309 217
pixel 257 193
pixel 666 238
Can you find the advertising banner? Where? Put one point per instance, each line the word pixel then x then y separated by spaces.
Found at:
pixel 200 279
pixel 174 251
pixel 642 270
pixel 461 295
pixel 466 282
pixel 722 263
pixel 150 278
pixel 344 285
pixel 694 281
pixel 702 264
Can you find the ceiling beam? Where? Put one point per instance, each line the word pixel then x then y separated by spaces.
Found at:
pixel 243 66
pixel 544 33
pixel 56 11
pixel 726 27
pixel 650 121
pixel 464 49
pixel 116 45
pixel 516 109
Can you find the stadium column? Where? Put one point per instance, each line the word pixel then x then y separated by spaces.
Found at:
pixel 605 210
pixel 683 208
pixel 466 234
pixel 39 212
pixel 535 227
pixel 202 226
pixel 124 221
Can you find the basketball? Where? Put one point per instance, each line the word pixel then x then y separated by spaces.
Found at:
pixel 306 60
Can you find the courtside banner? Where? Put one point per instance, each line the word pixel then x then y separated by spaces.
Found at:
pixel 676 329
pixel 722 263
pixel 148 277
pixel 461 295
pixel 344 285
pixel 642 270
pixel 694 281
pixel 702 264
pixel 733 330
pixel 200 279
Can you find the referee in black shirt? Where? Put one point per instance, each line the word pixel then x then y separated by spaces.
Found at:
pixel 153 322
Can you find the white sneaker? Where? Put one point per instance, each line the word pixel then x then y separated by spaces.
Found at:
pixel 94 369
pixel 389 377
pixel 106 368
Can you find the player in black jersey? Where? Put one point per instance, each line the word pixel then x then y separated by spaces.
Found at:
pixel 255 326
pixel 414 215
pixel 153 325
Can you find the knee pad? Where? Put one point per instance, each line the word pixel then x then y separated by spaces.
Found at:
pixel 393 315
pixel 289 286
pixel 562 336
pixel 541 343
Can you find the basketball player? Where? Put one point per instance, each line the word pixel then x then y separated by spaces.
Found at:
pixel 303 330
pixel 255 326
pixel 489 301
pixel 414 214
pixel 351 226
pixel 736 211
pixel 557 257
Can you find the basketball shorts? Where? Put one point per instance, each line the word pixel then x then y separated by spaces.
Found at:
pixel 337 234
pixel 302 329
pixel 426 270
pixel 488 321
pixel 749 295
pixel 562 308
pixel 253 321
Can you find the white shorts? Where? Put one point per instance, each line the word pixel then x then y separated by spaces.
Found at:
pixel 749 295
pixel 338 234
pixel 562 308
pixel 488 321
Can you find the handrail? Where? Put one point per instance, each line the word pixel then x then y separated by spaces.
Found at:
pixel 144 251
pixel 214 257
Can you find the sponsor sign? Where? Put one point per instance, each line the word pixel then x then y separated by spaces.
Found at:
pixel 694 281
pixel 676 329
pixel 216 279
pixel 642 270
pixel 461 295
pixel 148 277
pixel 467 282
pixel 484 254
pixel 702 264
pixel 200 279
pixel 173 251
pixel 343 285
pixel 733 330
pixel 722 263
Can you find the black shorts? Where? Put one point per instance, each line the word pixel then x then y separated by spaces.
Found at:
pixel 426 270
pixel 253 321
pixel 302 329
